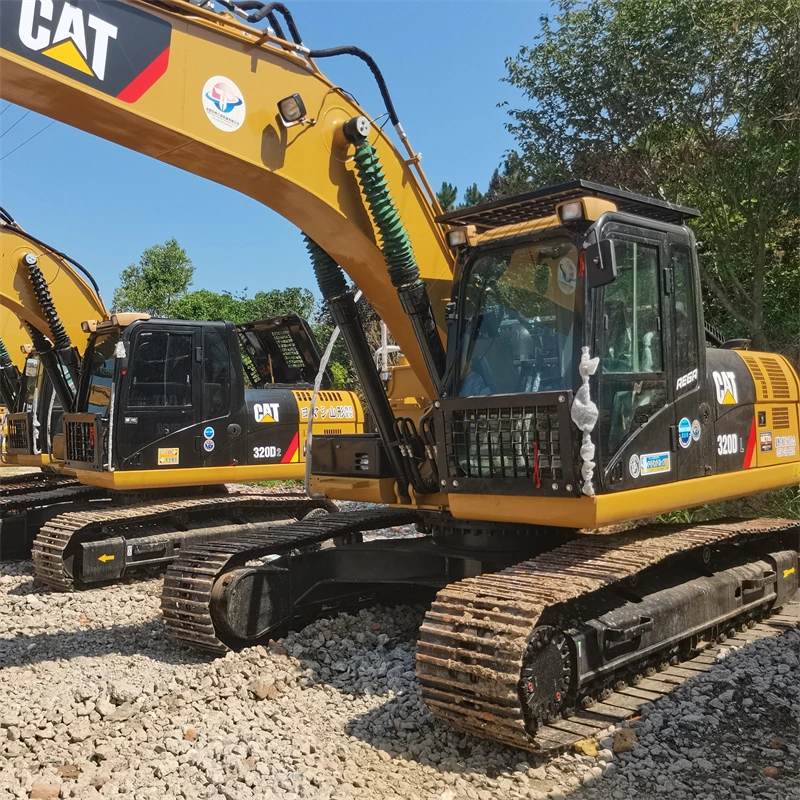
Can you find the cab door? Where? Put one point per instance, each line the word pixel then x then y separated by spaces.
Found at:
pixel 635 428
pixel 160 399
pixel 694 426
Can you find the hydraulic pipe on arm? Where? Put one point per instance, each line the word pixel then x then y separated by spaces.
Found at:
pixel 9 373
pixel 200 91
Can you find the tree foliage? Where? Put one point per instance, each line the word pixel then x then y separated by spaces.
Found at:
pixel 694 102
pixel 448 195
pixel 162 276
pixel 205 304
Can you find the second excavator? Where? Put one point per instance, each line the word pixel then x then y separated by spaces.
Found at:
pixel 157 410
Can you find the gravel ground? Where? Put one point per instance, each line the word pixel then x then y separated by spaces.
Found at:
pixel 95 701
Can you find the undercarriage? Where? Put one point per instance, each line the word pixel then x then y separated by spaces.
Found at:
pixel 527 627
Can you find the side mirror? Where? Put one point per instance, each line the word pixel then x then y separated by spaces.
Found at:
pixel 601 263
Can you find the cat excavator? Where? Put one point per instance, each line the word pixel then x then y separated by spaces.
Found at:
pixel 561 388
pixel 207 403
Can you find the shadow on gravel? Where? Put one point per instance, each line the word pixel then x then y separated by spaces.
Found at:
pixel 31 586
pixel 148 639
pixel 379 729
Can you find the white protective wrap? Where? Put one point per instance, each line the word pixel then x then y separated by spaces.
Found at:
pixel 585 414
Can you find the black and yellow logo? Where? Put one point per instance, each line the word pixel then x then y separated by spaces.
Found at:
pixel 117 49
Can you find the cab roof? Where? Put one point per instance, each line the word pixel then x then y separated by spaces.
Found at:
pixel 542 203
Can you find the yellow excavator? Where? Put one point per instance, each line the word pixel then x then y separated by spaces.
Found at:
pixel 562 380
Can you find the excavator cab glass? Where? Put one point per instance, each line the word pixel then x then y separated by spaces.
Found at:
pixel 99 372
pixel 518 324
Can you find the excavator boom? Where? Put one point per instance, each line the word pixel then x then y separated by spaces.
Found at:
pixel 199 90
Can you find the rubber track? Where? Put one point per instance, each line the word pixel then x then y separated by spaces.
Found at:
pixel 189 580
pixel 58 535
pixel 474 636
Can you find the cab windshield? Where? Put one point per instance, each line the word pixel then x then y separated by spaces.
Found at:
pixel 517 328
pixel 101 376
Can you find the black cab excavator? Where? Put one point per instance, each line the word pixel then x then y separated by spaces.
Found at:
pixel 563 387
pixel 157 410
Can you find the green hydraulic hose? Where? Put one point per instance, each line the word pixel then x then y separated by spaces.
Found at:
pixel 330 277
pixel 395 242
pixel 5 358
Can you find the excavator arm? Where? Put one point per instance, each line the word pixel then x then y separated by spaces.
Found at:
pixel 71 290
pixel 44 298
pixel 199 90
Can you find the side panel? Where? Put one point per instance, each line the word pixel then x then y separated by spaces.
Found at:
pixel 732 395
pixel 277 421
pixel 777 409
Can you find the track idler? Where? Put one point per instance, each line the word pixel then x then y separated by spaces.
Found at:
pixel 248 604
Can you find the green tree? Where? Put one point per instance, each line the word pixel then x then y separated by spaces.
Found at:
pixel 447 196
pixel 473 196
pixel 162 276
pixel 205 304
pixel 694 102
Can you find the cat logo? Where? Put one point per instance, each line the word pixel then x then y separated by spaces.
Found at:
pixel 66 41
pixel 266 412
pixel 725 384
pixel 116 49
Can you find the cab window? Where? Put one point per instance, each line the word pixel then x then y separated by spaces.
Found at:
pixel 632 312
pixel 162 370
pixel 685 312
pixel 216 375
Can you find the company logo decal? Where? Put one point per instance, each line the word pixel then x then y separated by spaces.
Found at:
pixel 765 439
pixel 208 445
pixel 685 432
pixel 223 103
pixel 266 412
pixel 696 430
pixel 114 48
pixel 725 384
pixel 323 411
pixel 209 432
pixel 168 455
pixel 648 464
pixel 567 274
pixel 686 380
pixel 652 463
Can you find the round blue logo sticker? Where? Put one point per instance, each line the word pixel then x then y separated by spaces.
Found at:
pixel 696 430
pixel 208 444
pixel 209 433
pixel 685 432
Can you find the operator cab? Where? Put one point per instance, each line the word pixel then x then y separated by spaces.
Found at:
pixel 164 395
pixel 548 278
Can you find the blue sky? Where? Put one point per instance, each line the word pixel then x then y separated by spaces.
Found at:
pixel 103 205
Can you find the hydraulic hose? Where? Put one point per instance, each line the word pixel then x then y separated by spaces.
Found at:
pixel 9 379
pixel 52 366
pixel 5 358
pixel 341 305
pixel 398 253
pixel 59 336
